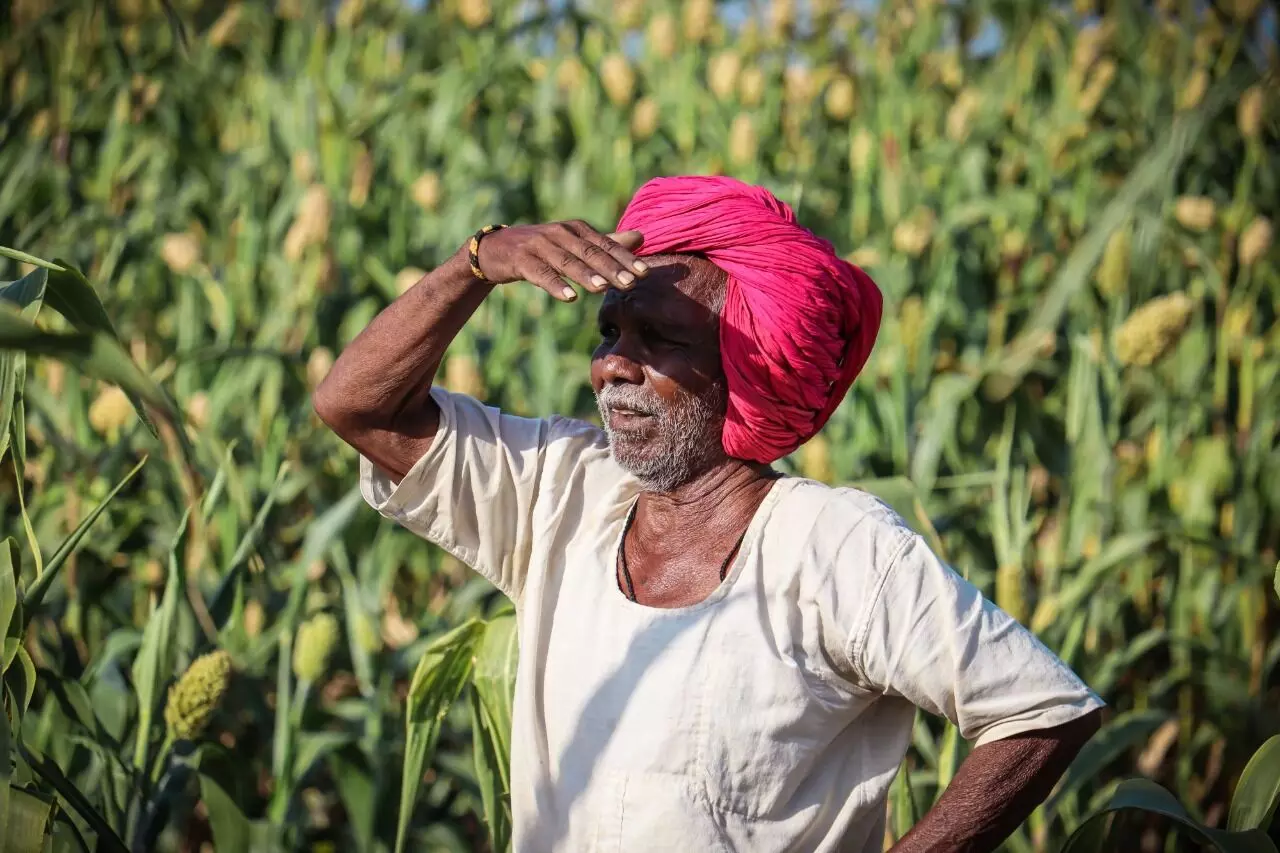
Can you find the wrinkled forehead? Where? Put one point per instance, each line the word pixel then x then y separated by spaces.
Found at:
pixel 688 289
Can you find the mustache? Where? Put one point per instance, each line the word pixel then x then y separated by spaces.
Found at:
pixel 628 397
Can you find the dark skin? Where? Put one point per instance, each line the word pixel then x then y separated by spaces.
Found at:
pixel 659 332
pixel 664 335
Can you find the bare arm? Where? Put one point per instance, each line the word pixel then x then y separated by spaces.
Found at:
pixel 377 396
pixel 996 789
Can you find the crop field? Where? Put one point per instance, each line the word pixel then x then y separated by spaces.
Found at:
pixel 211 643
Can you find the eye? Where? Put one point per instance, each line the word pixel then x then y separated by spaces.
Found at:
pixel 608 331
pixel 654 334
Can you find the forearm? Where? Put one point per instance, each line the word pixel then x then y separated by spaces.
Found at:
pixel 997 788
pixel 380 383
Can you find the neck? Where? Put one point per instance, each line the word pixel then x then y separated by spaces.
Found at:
pixel 726 494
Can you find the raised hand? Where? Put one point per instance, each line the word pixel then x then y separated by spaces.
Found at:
pixel 551 255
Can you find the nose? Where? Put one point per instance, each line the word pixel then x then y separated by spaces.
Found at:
pixel 616 364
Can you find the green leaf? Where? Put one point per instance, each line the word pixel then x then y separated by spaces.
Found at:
pixel 313 746
pixel 28 674
pixel 8 585
pixel 354 779
pixel 6 768
pixel 64 837
pixel 26 822
pixel 70 294
pixel 36 591
pixel 1258 792
pixel 108 841
pixel 25 294
pixel 493 683
pixel 904 802
pixel 492 760
pixel 122 642
pixel 437 682
pixel 154 662
pixel 92 353
pixel 220 607
pixel 231 829
pixel 1148 176
pixel 950 757
pixel 1146 796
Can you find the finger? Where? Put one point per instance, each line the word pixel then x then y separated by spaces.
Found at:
pixel 609 257
pixel 543 275
pixel 586 262
pixel 568 260
pixel 629 240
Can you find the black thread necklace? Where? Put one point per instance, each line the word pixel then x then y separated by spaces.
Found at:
pixel 630 591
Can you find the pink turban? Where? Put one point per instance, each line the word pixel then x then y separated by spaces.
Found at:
pixel 798 322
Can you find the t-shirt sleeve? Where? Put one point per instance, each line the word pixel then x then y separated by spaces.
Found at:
pixel 476 489
pixel 931 637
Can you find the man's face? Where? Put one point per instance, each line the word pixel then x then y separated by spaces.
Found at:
pixel 657 373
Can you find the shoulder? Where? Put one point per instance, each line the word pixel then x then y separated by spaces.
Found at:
pixel 847 524
pixel 460 411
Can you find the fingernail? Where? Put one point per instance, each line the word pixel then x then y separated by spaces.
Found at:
pixel 599 280
pixel 569 293
pixel 640 266
pixel 626 277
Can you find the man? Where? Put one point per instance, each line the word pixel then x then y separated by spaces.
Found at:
pixel 713 657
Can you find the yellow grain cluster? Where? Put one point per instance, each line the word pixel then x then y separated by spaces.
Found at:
pixel 960 115
pixel 722 74
pixel 408 277
pixel 618 79
pixel 1152 331
pixel 660 36
pixel 312 646
pixel 628 13
pixel 475 13
pixel 361 177
pixel 1113 272
pixel 1099 82
pixel 861 149
pixel 698 19
pixel 195 696
pixel 1192 91
pixel 462 375
pixel 198 409
pixel 815 460
pixel 751 87
pixel 319 363
pixel 1194 213
pixel 913 235
pixel 1249 112
pixel 570 74
pixel 644 118
pixel 1255 242
pixel 180 252
pixel 109 412
pixel 311 225
pixel 223 30
pixel 425 190
pixel 841 98
pixel 743 141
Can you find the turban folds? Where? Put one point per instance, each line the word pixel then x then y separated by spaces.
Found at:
pixel 798 321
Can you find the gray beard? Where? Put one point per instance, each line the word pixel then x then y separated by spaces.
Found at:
pixel 679 443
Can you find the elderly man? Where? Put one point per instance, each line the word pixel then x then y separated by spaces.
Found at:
pixel 712 656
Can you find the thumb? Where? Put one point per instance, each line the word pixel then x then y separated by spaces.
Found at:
pixel 629 240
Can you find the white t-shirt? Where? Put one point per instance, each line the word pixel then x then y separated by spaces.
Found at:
pixel 773 715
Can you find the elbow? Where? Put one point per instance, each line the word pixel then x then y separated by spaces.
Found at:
pixel 327 403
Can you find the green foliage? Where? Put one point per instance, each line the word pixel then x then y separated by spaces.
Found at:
pixel 245 185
